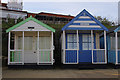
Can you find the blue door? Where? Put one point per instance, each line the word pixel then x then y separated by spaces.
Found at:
pixel 85 52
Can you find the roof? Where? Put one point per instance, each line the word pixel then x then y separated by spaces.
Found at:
pixel 77 21
pixel 31 14
pixel 112 29
pixel 56 15
pixel 4 4
pixel 15 10
pixel 28 19
pixel 117 29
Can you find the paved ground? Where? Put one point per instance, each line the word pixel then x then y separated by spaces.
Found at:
pixel 59 73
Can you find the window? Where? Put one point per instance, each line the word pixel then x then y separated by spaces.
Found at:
pixel 44 42
pixel 71 41
pixel 86 42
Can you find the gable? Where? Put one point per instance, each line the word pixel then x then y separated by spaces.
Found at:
pixel 31 22
pixel 84 21
pixel 27 25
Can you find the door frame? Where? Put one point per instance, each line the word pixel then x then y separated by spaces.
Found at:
pixel 81 46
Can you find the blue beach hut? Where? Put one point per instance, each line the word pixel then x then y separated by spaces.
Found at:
pixel 81 40
pixel 113 44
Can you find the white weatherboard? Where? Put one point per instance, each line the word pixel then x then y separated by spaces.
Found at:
pixel 37 27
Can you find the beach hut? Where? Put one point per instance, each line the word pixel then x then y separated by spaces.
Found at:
pixel 81 40
pixel 30 42
pixel 113 45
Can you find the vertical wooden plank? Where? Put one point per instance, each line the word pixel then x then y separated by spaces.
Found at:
pixel 77 47
pixel 38 47
pixel 23 49
pixel 92 44
pixel 63 47
pixel 116 45
pixel 16 55
pixel 52 47
pixel 105 47
pixel 48 55
pixel 15 42
pixel 13 56
pixel 9 48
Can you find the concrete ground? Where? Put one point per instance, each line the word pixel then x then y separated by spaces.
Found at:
pixel 60 73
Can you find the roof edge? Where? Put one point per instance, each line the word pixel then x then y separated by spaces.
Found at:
pixel 28 19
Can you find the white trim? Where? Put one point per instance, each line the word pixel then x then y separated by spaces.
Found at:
pixel 38 48
pixel 77 47
pixel 9 48
pixel 116 40
pixel 63 46
pixel 99 63
pixel 15 62
pixel 52 47
pixel 105 43
pixel 23 49
pixel 92 44
pixel 45 62
pixel 15 50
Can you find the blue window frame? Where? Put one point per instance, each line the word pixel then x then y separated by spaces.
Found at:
pixel 71 41
pixel 86 42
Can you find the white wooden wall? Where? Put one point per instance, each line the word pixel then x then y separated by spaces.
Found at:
pixel 31 23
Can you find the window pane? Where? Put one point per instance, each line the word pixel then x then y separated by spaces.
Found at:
pixel 90 46
pixel 70 45
pixel 74 38
pixel 75 45
pixel 84 38
pixel 72 41
pixel 69 38
pixel 85 46
pixel 89 36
